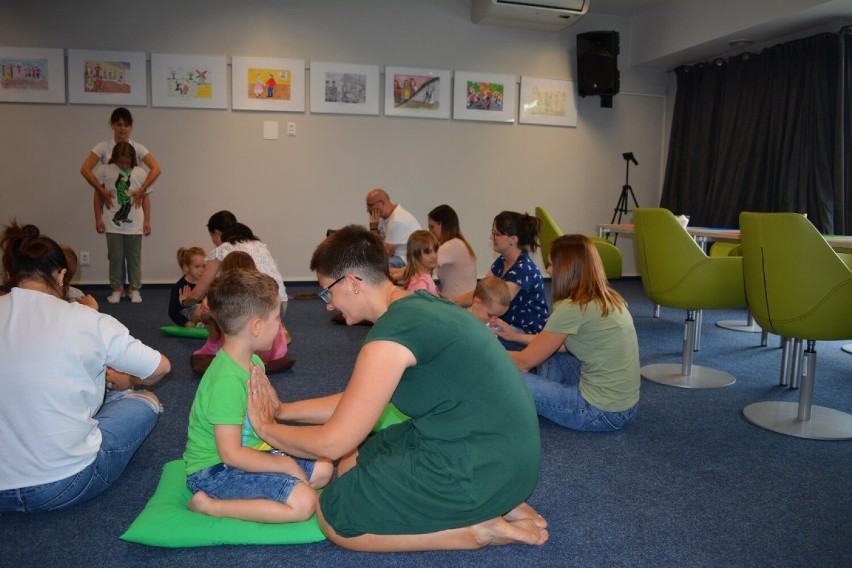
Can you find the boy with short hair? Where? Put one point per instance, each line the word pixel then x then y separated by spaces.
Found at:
pixel 491 299
pixel 231 471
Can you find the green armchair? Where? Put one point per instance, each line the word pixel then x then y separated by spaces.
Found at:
pixel 721 248
pixel 797 287
pixel 609 253
pixel 677 273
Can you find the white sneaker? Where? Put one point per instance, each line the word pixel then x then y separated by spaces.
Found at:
pixel 115 297
pixel 135 297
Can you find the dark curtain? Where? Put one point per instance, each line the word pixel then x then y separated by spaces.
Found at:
pixel 762 132
pixel 843 195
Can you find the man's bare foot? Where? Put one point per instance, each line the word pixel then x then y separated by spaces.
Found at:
pixel 525 512
pixel 499 531
pixel 200 503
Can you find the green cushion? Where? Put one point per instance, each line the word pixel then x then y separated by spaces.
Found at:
pixel 389 417
pixel 165 521
pixel 183 331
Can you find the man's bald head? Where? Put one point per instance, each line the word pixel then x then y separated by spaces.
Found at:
pixel 377 199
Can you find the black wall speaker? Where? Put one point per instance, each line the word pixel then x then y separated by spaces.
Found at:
pixel 597 65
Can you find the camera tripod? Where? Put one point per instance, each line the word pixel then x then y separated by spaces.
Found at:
pixel 622 206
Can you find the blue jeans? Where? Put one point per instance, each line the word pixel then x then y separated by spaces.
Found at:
pixel 124 421
pixel 224 482
pixel 396 262
pixel 555 388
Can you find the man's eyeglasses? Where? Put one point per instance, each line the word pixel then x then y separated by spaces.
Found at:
pixel 324 293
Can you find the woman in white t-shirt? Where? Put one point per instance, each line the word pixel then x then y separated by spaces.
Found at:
pixel 456 259
pixel 121 122
pixel 229 235
pixel 69 427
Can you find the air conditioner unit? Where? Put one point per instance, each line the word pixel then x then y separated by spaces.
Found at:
pixel 551 15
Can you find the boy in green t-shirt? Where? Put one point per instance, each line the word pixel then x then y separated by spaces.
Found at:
pixel 231 471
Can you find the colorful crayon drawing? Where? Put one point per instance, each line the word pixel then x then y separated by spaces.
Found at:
pixel 189 83
pixel 274 84
pixel 484 96
pixel 416 91
pixel 106 76
pixel 23 74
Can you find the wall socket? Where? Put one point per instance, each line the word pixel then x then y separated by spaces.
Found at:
pixel 85 260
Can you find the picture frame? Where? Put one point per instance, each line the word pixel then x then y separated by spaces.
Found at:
pixel 417 92
pixel 549 102
pixel 189 81
pixel 484 96
pixel 118 78
pixel 32 75
pixel 251 88
pixel 344 89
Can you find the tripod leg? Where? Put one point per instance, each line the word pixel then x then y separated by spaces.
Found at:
pixel 633 195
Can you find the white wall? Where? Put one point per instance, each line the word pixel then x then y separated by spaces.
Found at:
pixel 290 190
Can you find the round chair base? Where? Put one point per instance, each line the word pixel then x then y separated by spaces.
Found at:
pixel 847 348
pixel 701 378
pixel 782 417
pixel 739 325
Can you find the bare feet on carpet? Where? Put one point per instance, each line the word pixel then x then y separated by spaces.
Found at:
pixel 521 525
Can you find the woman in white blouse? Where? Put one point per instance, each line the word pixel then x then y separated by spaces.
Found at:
pixel 228 235
pixel 456 259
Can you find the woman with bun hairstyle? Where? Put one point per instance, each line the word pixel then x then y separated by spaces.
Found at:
pixel 229 235
pixel 514 236
pixel 68 430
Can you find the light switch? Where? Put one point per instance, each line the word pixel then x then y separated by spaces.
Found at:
pixel 270 130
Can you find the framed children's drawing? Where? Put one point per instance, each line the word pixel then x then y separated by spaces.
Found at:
pixel 422 93
pixel 270 84
pixel 548 101
pixel 32 75
pixel 344 89
pixel 189 81
pixel 117 78
pixel 484 96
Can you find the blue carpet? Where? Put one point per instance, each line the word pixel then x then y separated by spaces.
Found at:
pixel 689 483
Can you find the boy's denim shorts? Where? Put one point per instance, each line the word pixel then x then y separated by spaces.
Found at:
pixel 224 482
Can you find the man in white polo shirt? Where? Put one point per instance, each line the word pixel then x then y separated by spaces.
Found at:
pixel 392 223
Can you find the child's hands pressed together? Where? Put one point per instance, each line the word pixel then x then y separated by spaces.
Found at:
pixel 263 401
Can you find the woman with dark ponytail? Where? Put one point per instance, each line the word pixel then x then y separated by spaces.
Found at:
pixel 514 236
pixel 230 235
pixel 68 431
